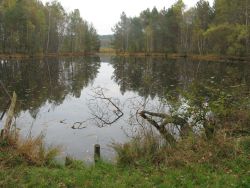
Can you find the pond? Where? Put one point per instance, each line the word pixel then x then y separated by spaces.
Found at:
pixel 55 95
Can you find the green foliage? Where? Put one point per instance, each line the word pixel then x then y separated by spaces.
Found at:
pixel 30 27
pixel 222 29
pixel 231 11
pixel 227 39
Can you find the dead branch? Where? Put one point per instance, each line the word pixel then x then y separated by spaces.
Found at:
pixel 160 127
pixel 103 109
pixel 180 123
pixel 161 115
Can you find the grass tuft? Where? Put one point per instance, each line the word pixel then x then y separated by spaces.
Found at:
pixel 144 147
pixel 191 150
pixel 30 150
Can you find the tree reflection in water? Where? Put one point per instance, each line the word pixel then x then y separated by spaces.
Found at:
pixel 50 80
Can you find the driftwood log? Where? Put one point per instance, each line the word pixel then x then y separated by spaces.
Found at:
pixel 166 119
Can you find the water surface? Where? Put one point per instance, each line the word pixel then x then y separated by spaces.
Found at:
pixel 53 94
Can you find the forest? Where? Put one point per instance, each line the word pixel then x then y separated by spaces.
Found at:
pixel 30 27
pixel 164 103
pixel 219 29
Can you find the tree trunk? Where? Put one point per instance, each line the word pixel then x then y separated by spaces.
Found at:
pixel 247 29
pixel 48 36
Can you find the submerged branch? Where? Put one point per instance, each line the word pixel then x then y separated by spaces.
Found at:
pixel 102 113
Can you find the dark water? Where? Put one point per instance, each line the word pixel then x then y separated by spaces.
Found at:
pixel 53 94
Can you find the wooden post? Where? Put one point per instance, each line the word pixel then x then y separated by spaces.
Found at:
pixel 2 134
pixel 68 161
pixel 10 114
pixel 97 154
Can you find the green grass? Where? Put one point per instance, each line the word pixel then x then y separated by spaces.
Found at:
pixel 17 171
pixel 230 173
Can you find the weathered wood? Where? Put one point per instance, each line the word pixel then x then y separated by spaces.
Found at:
pixel 97 152
pixel 5 109
pixel 160 127
pixel 2 134
pixel 10 114
pixel 4 89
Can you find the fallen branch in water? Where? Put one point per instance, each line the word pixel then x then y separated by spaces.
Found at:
pixel 160 127
pixel 107 111
pixel 165 120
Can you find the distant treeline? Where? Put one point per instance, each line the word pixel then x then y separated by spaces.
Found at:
pixel 219 29
pixel 29 26
pixel 106 41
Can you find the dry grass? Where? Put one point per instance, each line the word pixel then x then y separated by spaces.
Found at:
pixel 191 150
pixel 197 149
pixel 107 50
pixel 32 150
pixel 146 146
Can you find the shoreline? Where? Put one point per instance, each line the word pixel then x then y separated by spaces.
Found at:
pixel 218 58
pixel 18 56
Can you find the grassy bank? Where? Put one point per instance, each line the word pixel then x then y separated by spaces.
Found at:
pixel 234 174
pixel 18 169
pixel 110 51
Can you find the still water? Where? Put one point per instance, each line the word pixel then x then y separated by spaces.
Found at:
pixel 54 94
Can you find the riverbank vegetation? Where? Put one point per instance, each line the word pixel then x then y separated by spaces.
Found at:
pixel 30 27
pixel 195 134
pixel 220 29
pixel 209 147
pixel 193 161
pixel 219 166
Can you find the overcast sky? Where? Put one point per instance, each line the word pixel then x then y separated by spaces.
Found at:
pixel 105 14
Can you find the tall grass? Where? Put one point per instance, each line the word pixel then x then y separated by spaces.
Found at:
pixel 150 149
pixel 32 149
pixel 146 146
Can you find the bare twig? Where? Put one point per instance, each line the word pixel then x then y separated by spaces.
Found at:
pixel 107 112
